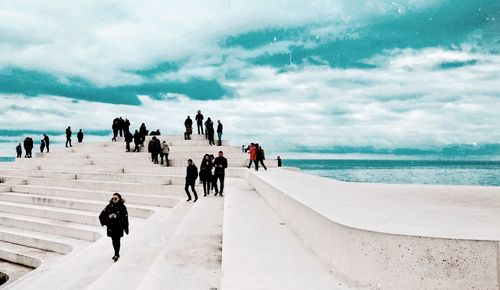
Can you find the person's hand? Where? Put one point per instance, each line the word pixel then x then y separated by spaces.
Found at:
pixel 112 216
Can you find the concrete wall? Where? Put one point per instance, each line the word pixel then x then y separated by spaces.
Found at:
pixel 376 260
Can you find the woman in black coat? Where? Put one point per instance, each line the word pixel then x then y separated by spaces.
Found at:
pixel 206 173
pixel 115 217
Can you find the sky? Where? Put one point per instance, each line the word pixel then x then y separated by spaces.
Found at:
pixel 299 77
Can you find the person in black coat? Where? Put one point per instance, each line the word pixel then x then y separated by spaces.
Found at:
pixel 115 217
pixel 137 141
pixel 128 139
pixel 199 122
pixel 121 125
pixel 68 136
pixel 115 127
pixel 19 151
pixel 126 126
pixel 206 173
pixel 42 145
pixel 191 176
pixel 220 164
pixel 47 142
pixel 79 136
pixel 219 133
pixel 260 156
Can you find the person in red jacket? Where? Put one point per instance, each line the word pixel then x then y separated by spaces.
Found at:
pixel 253 155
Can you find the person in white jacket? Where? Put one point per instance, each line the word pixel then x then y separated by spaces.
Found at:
pixel 164 152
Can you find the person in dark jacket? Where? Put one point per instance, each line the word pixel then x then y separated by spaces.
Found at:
pixel 47 142
pixel 137 141
pixel 219 133
pixel 115 217
pixel 279 161
pixel 143 132
pixel 191 176
pixel 28 146
pixel 206 173
pixel 210 130
pixel 42 145
pixel 19 151
pixel 79 136
pixel 121 124
pixel 126 126
pixel 68 136
pixel 115 127
pixel 220 164
pixel 188 123
pixel 199 122
pixel 260 157
pixel 128 139
pixel 156 149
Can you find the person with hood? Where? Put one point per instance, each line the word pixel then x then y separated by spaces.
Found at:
pixel 68 136
pixel 199 122
pixel 79 136
pixel 191 176
pixel 19 151
pixel 42 145
pixel 143 132
pixel 206 174
pixel 115 217
pixel 165 150
pixel 47 142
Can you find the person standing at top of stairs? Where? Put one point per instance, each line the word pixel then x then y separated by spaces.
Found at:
pixel 188 123
pixel 164 152
pixel 199 122
pixel 19 151
pixel 219 133
pixel 68 136
pixel 208 124
pixel 47 142
pixel 191 176
pixel 220 164
pixel 115 127
pixel 79 136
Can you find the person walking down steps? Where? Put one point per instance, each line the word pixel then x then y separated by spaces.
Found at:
pixel 115 217
pixel 191 176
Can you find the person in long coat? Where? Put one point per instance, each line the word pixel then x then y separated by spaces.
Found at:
pixel 115 217
pixel 253 156
pixel 206 173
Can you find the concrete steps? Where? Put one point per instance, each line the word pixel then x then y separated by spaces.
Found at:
pixel 103 196
pixel 26 256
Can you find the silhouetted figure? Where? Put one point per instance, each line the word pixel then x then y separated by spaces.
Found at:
pixel 121 124
pixel 279 161
pixel 208 124
pixel 252 152
pixel 115 127
pixel 126 126
pixel 137 141
pixel 79 136
pixel 243 149
pixel 19 151
pixel 143 132
pixel 199 122
pixel 47 142
pixel 191 175
pixel 128 139
pixel 154 147
pixel 188 123
pixel 219 133
pixel 165 150
pixel 28 147
pixel 115 217
pixel 42 145
pixel 206 173
pixel 260 157
pixel 155 133
pixel 68 136
pixel 220 164
pixel 211 132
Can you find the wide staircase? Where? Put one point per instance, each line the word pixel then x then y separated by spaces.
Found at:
pixel 50 232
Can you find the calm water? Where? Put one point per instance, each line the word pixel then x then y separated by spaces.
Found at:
pixel 404 171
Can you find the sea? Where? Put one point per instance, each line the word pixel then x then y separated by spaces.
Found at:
pixel 450 172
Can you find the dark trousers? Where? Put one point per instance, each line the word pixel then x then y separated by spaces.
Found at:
pixel 128 147
pixel 166 158
pixel 206 184
pixel 136 148
pixel 19 154
pixel 121 132
pixel 68 140
pixel 211 139
pixel 190 183
pixel 219 176
pixel 47 146
pixel 200 127
pixel 261 162
pixel 219 142
pixel 154 157
pixel 116 244
pixel 115 134
pixel 42 148
pixel 250 163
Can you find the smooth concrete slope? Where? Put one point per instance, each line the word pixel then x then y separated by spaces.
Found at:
pixel 383 236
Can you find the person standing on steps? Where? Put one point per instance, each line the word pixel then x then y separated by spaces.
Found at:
pixel 220 164
pixel 219 133
pixel 252 152
pixel 42 145
pixel 121 125
pixel 279 161
pixel 115 217
pixel 128 139
pixel 68 136
pixel 260 156
pixel 126 126
pixel 208 123
pixel 19 151
pixel 199 122
pixel 28 147
pixel 191 175
pixel 206 174
pixel 164 152
pixel 115 127
pixel 79 136
pixel 47 142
